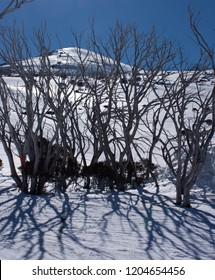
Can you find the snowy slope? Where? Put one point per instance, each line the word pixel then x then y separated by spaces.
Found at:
pixel 137 224
pixel 71 61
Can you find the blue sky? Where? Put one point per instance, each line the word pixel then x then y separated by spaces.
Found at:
pixel 170 17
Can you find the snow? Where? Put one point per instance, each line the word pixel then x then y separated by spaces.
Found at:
pixel 70 60
pixel 89 224
pixel 82 224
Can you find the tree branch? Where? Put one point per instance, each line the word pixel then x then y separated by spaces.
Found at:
pixel 12 6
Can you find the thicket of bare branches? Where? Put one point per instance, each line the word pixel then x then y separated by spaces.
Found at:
pixel 11 6
pixel 105 120
pixel 185 145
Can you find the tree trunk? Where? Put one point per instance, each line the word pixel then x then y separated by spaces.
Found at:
pixel 186 197
pixel 24 187
pixel 12 167
pixel 33 188
pixel 41 184
pixel 178 193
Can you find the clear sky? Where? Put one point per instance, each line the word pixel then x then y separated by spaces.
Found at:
pixel 170 17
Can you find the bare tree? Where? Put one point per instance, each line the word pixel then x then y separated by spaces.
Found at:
pixel 11 6
pixel 105 115
pixel 186 145
pixel 26 131
pixel 186 141
pixel 115 96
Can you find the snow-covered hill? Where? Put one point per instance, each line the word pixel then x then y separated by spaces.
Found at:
pixel 72 60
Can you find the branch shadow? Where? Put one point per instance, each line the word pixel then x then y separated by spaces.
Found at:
pixel 45 226
pixel 87 224
pixel 170 232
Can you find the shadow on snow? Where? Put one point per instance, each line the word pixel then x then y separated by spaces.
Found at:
pixel 113 225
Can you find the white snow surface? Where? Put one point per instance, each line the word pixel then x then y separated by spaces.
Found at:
pixel 87 224
pixel 71 60
pixel 82 224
